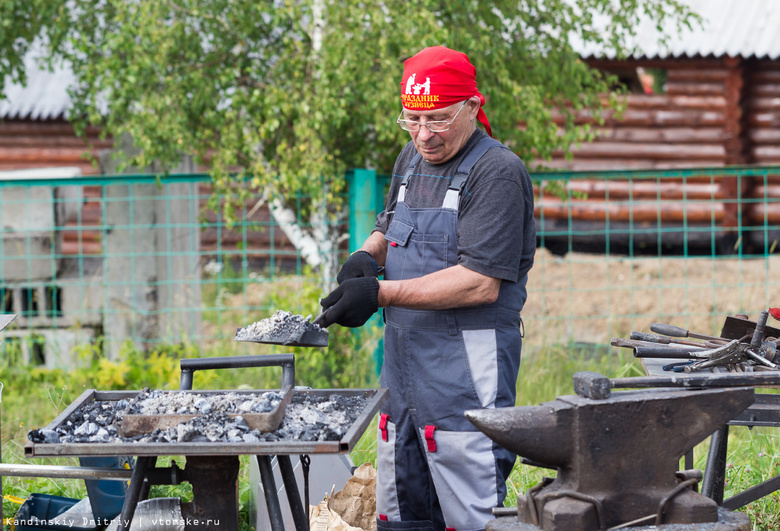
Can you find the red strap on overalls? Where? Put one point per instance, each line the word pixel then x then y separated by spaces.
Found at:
pixel 383 425
pixel 429 429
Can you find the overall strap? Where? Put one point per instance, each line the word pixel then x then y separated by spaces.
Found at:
pixel 409 171
pixel 476 153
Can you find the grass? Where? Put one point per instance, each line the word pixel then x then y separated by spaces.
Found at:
pixel 33 397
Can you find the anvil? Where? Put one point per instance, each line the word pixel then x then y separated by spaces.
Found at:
pixel 616 457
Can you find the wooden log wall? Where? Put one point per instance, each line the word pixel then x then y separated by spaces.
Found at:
pixel 688 126
pixel 28 144
pixel 762 125
pixel 714 113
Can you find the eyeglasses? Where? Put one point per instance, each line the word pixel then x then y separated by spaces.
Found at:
pixel 436 126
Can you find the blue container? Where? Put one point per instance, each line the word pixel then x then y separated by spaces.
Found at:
pixel 106 496
pixel 38 509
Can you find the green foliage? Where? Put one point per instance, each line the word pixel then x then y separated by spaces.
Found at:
pixel 33 397
pixel 289 90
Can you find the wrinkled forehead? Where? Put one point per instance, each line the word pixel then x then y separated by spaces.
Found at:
pixel 432 114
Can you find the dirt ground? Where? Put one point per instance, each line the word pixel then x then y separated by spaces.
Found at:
pixel 588 298
pixel 593 298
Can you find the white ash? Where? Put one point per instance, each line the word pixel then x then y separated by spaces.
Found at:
pixel 317 418
pixel 307 418
pixel 159 402
pixel 280 327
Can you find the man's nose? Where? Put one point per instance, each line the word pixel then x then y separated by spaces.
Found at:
pixel 424 133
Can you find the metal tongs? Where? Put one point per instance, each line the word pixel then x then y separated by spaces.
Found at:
pixel 731 353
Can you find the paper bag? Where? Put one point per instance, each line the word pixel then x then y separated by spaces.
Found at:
pixel 356 502
pixel 322 518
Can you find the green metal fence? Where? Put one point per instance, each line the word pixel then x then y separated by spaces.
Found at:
pixel 687 247
pixel 134 258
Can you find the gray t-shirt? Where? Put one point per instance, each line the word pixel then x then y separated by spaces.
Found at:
pixel 496 231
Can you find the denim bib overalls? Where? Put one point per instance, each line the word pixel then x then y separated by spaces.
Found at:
pixel 435 470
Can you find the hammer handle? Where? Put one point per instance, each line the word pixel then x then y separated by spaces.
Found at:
pixel 676 331
pixel 663 340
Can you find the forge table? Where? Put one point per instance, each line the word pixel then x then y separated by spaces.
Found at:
pixel 212 468
pixel 765 411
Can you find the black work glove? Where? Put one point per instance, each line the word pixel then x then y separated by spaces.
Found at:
pixel 351 304
pixel 359 264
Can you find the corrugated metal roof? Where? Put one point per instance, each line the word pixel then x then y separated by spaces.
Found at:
pixel 45 96
pixel 738 28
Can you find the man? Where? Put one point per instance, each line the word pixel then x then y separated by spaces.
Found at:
pixel 457 240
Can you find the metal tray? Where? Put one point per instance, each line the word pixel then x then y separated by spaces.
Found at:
pixel 264 422
pixel 284 447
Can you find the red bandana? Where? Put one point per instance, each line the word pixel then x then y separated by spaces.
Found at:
pixel 438 77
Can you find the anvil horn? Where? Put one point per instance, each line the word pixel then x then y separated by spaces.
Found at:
pixel 535 432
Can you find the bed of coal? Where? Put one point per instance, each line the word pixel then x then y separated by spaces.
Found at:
pixel 307 418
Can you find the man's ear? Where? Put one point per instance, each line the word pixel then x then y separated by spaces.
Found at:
pixel 474 105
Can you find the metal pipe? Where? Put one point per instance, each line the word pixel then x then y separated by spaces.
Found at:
pixel 269 490
pixel 285 361
pixel 715 473
pixel 133 493
pixel 185 380
pixel 71 472
pixel 293 496
pixel 500 512
pixel 758 331
pixel 743 379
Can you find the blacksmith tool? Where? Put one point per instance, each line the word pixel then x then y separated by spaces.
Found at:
pixel 731 353
pixel 320 317
pixel 676 331
pixel 284 328
pixel 736 328
pixel 597 386
pixel 668 352
pixel 664 340
pixel 677 367
pixel 616 457
pixel 634 343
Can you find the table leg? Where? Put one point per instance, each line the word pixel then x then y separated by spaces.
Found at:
pixel 134 492
pixel 688 459
pixel 293 496
pixel 715 472
pixel 269 490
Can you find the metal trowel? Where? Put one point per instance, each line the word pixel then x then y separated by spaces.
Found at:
pixel 296 332
pixel 304 338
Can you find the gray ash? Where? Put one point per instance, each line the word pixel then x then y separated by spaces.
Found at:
pixel 280 327
pixel 159 402
pixel 307 418
pixel 317 418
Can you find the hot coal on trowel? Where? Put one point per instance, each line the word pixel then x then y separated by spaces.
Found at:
pixel 285 328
